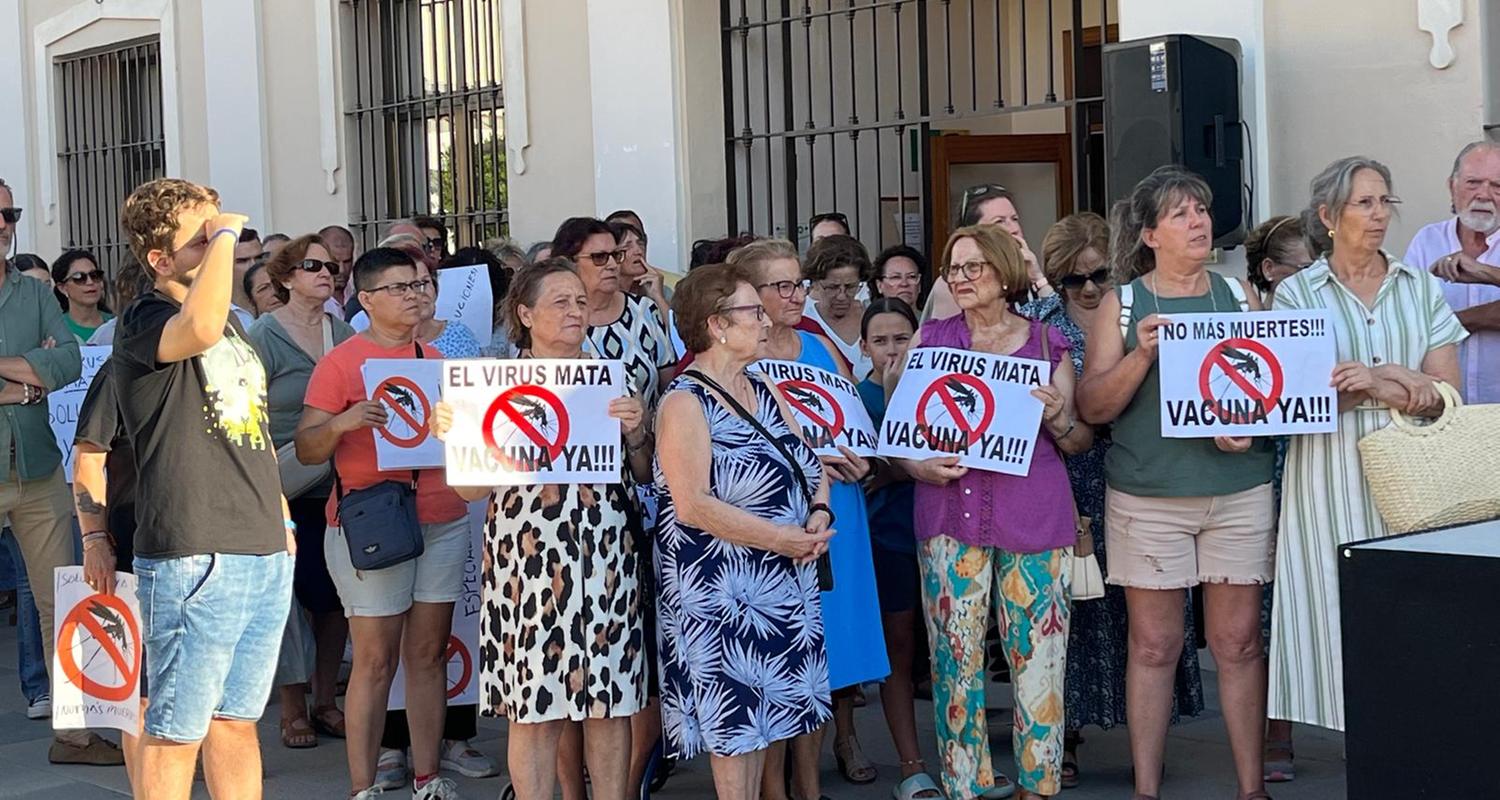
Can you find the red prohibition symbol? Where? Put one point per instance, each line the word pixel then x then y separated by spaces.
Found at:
pixel 961 395
pixel 1239 359
pixel 457 651
pixel 84 621
pixel 527 409
pixel 815 403
pixel 387 392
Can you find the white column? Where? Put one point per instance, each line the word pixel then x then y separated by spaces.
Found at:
pixel 234 88
pixel 16 156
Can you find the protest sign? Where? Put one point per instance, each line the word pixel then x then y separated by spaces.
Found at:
pixel 462 653
pixel 407 387
pixel 96 666
pixel 826 405
pixel 973 405
pixel 1258 374
pixel 525 421
pixel 464 297
pixel 64 404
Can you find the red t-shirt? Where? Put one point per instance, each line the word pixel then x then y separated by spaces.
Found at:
pixel 337 384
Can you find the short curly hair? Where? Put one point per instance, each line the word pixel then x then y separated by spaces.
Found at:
pixel 281 266
pixel 525 287
pixel 149 216
pixel 833 252
pixel 702 294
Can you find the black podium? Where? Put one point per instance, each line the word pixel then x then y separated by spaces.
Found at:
pixel 1421 642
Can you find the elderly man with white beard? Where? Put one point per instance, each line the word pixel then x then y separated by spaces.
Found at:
pixel 1464 252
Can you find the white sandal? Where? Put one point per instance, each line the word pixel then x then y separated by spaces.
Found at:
pixel 920 786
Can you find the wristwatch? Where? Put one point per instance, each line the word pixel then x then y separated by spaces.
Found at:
pixel 823 507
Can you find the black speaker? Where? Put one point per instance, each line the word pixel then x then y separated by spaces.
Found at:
pixel 1176 100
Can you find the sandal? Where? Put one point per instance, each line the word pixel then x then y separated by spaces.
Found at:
pixel 322 724
pixel 1279 770
pixel 1070 759
pixel 297 734
pixel 919 786
pixel 1002 789
pixel 853 765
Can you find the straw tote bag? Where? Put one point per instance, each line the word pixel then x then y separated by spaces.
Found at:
pixel 1431 476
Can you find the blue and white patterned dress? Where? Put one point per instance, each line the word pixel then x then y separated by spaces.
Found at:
pixel 740 630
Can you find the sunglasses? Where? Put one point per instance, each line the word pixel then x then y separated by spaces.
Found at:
pixel 600 259
pixel 80 278
pixel 313 265
pixel 433 245
pixel 1098 277
pixel 831 216
pixel 976 194
pixel 11 215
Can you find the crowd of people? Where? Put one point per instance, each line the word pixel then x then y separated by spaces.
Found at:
pixel 733 592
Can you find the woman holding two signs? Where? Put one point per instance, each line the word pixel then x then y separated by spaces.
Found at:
pixel 982 534
pixel 561 637
pixel 1179 512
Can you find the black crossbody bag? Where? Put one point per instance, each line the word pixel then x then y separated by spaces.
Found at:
pixel 380 522
pixel 825 564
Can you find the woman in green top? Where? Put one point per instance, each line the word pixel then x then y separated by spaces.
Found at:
pixel 1180 512
pixel 81 288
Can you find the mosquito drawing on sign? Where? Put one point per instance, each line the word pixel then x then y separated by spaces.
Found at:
pixel 1244 363
pixel 535 411
pixel 808 398
pixel 963 396
pixel 113 626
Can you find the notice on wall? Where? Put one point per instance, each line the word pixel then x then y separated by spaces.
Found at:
pixel 825 405
pixel 524 421
pixel 1262 373
pixel 64 404
pixel 461 656
pixel 975 406
pixel 464 297
pixel 407 387
pixel 96 665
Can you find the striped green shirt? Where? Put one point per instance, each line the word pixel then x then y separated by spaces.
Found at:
pixel 1324 499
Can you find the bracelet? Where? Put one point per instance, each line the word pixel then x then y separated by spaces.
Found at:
pixel 1065 434
pixel 94 536
pixel 823 507
pixel 289 525
pixel 230 231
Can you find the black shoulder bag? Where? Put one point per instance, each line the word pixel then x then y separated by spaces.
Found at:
pixel 825 565
pixel 380 522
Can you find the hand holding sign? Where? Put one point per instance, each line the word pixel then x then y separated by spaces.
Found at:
pixel 364 414
pixel 1148 335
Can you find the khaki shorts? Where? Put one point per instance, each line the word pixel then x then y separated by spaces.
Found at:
pixel 1177 542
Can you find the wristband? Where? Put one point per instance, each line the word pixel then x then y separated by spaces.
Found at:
pixel 289 525
pixel 93 536
pixel 230 231
pixel 823 507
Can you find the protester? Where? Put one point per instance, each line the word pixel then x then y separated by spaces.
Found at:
pixel 640 278
pixel 1180 512
pixel 401 614
pixel 597 673
pixel 33 266
pixel 499 273
pixel 1464 252
pixel 1395 338
pixel 885 335
pixel 1075 253
pixel 273 243
pixel 31 659
pixel 900 272
pixel 448 336
pixel 511 255
pixel 851 621
pixel 340 243
pixel 291 340
pixel 434 238
pixel 247 251
pixel 993 204
pixel 827 224
pixel 82 289
pixel 837 267
pixel 192 396
pixel 734 512
pixel 539 252
pixel 257 284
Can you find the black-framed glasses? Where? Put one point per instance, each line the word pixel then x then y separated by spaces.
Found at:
pixel 786 289
pixel 10 214
pixel 760 311
pixel 80 278
pixel 1098 277
pixel 829 216
pixel 315 266
pixel 977 194
pixel 968 271
pixel 600 259
pixel 400 289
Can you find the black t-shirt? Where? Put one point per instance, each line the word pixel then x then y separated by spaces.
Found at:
pixel 208 481
pixel 99 424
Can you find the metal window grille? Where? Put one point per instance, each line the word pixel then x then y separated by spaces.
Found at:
pixel 829 104
pixel 425 116
pixel 110 139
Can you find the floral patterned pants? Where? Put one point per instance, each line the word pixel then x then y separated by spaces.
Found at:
pixel 1031 593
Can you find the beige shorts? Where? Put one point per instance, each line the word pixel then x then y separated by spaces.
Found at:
pixel 1177 542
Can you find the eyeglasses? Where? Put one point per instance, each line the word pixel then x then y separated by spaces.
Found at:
pixel 969 271
pixel 976 194
pixel 315 266
pixel 433 245
pixel 11 215
pixel 787 289
pixel 1098 277
pixel 831 216
pixel 80 278
pixel 600 259
pixel 400 289
pixel 760 311
pixel 902 278
pixel 836 289
pixel 1366 205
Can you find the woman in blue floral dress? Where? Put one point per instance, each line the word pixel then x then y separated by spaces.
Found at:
pixel 1074 253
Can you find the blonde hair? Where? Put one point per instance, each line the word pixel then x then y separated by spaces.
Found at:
pixel 754 257
pixel 1068 238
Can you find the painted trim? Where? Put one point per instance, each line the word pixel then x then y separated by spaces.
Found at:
pixel 325 33
pixel 15 165
pixel 1439 18
pixel 58 27
pixel 513 82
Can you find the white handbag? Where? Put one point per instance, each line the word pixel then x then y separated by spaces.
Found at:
pixel 1088 579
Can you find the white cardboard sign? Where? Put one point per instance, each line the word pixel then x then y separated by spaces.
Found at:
pixel 64 404
pixel 407 387
pixel 464 297
pixel 826 405
pixel 96 666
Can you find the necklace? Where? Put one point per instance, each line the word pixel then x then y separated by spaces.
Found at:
pixel 1156 296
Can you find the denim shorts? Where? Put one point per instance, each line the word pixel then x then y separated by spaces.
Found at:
pixel 436 576
pixel 212 628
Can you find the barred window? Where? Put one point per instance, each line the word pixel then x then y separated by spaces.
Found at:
pixel 425 116
pixel 110 140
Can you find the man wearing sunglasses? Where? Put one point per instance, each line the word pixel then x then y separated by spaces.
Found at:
pixel 9 216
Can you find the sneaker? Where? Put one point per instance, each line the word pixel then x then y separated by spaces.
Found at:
pixel 461 757
pixel 92 750
pixel 390 770
pixel 438 788
pixel 373 791
pixel 40 708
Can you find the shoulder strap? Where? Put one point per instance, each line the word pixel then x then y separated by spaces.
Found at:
pixel 1127 305
pixel 1046 343
pixel 1237 291
pixel 327 334
pixel 759 428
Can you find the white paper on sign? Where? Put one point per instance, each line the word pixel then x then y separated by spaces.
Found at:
pixel 825 404
pixel 64 404
pixel 534 420
pixel 96 665
pixel 407 387
pixel 973 405
pixel 462 655
pixel 1262 373
pixel 464 297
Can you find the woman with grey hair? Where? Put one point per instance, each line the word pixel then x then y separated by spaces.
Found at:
pixel 1396 336
pixel 1179 512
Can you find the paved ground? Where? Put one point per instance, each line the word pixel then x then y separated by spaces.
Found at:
pixel 1197 754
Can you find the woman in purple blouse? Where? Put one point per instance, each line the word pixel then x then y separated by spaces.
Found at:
pixel 982 534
